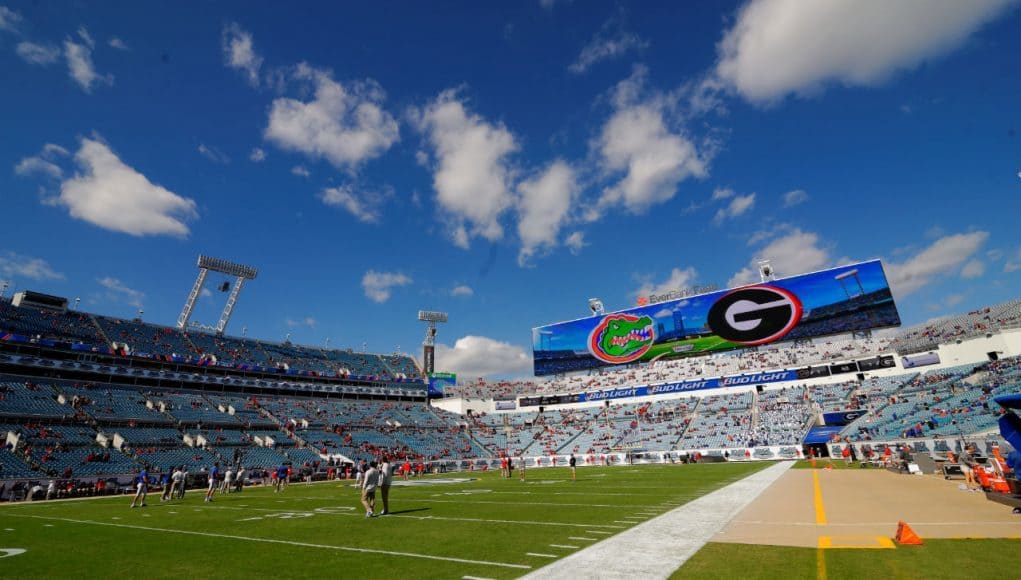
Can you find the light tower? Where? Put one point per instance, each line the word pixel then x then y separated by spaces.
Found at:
pixel 205 264
pixel 431 319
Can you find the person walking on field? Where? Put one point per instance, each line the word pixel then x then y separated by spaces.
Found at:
pixel 369 483
pixel 573 462
pixel 385 479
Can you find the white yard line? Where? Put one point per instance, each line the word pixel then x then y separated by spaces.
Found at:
pixel 658 547
pixel 541 555
pixel 285 542
pixel 581 538
pixel 438 518
pixel 565 546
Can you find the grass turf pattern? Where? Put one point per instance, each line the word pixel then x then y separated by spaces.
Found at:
pixel 488 527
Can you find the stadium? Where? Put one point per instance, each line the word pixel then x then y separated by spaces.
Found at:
pixel 703 290
pixel 681 463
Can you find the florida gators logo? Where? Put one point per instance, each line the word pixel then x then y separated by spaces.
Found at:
pixel 622 338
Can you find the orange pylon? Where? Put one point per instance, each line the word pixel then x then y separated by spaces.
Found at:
pixel 906 536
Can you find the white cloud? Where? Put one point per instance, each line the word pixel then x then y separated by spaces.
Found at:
pixel 793 253
pixel 308 321
pixel 638 142
pixel 363 206
pixel 239 52
pixel 722 193
pixel 795 197
pixel 954 299
pixel 9 19
pixel 778 47
pixel 480 356
pixel 472 179
pixel 575 242
pixel 40 54
pixel 206 293
pixel 213 154
pixel 117 43
pixel 114 196
pixel 118 292
pixel 79 62
pixel 611 42
pixel 14 265
pixel 1013 264
pixel 973 269
pixel 942 257
pixel 462 291
pixel 543 206
pixel 257 155
pixel 739 205
pixel 378 285
pixel 301 171
pixel 42 164
pixel 346 125
pixel 679 278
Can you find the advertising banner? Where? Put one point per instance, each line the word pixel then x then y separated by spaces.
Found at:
pixel 438 382
pixel 839 300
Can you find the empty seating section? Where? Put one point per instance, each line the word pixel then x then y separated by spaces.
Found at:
pixel 191 458
pixel 228 350
pixel 71 327
pixel 262 458
pixel 12 466
pixel 194 409
pixel 22 398
pixel 222 437
pixel 301 456
pixel 280 438
pixel 107 403
pixel 930 335
pixel 139 436
pixel 146 339
pixel 81 461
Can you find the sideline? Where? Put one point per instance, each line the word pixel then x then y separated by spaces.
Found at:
pixel 658 547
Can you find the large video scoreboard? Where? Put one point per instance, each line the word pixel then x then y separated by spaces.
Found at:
pixel 839 300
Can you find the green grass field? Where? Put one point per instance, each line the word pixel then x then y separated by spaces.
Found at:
pixel 484 528
pixel 451 526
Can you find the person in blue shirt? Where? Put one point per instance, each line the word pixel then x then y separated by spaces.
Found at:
pixel 214 474
pixel 141 487
pixel 281 478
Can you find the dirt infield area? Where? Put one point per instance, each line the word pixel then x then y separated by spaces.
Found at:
pixel 843 508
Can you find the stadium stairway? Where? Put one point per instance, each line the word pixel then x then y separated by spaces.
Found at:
pixel 99 329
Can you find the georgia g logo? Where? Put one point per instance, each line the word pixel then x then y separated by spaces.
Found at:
pixel 754 315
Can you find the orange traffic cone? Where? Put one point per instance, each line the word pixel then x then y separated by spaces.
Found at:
pixel 906 536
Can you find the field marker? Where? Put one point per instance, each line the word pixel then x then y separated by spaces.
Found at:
pixel 598 532
pixel 285 542
pixel 580 538
pixel 8 529
pixel 541 555
pixel 565 546
pixel 474 578
pixel 47 525
pixel 820 509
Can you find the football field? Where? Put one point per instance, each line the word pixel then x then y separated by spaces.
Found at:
pixel 445 526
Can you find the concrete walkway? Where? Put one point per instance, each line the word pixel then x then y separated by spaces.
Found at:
pixel 656 548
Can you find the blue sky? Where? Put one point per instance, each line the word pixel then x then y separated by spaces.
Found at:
pixel 503 162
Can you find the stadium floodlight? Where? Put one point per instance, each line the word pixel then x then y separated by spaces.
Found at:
pixel 205 265
pixel 766 272
pixel 431 319
pixel 430 316
pixel 596 306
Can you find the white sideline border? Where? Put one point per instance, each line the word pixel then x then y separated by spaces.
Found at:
pixel 658 547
